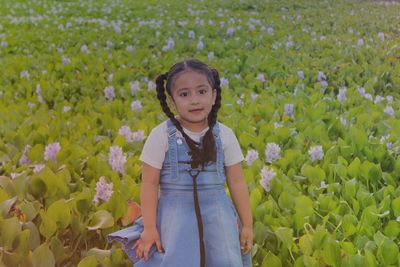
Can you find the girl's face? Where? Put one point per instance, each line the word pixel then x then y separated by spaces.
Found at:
pixel 193 98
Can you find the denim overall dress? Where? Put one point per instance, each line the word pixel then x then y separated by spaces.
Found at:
pixel 197 222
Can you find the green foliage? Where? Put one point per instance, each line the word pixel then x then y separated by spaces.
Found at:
pixel 340 210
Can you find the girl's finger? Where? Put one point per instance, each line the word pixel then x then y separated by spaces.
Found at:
pixel 135 244
pixel 159 246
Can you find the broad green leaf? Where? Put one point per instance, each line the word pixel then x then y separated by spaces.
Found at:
pixel 285 235
pixel 305 243
pixel 10 229
pixel 388 252
pixel 60 213
pixel 89 261
pixel 43 257
pixel 100 220
pixel 271 260
pixel 331 252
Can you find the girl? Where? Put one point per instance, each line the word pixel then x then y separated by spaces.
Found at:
pixel 191 221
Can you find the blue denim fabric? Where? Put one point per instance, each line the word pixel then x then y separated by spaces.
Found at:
pixel 176 218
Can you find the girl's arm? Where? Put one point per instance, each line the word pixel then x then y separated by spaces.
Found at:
pixel 239 193
pixel 149 195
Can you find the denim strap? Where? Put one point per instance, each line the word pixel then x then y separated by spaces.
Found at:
pixel 172 149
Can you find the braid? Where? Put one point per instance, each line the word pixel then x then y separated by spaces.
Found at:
pixel 161 94
pixel 209 148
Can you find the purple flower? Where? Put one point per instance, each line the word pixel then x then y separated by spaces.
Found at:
pixel 270 31
pixel 368 96
pixel 151 86
pixel 200 45
pixel 389 99
pixel 378 99
pixel 361 91
pixel 289 109
pixel 138 136
pixel 261 77
pixel 266 177
pixel 224 82
pixel 230 31
pixel 24 158
pixel 109 93
pixel 251 156
pixel 342 95
pixel 191 34
pixel 65 61
pixel 51 151
pixel 389 110
pixel 24 74
pixel 210 55
pixel 321 76
pixel 103 190
pixel 125 131
pixel 134 87
pixel 117 159
pixel 343 121
pixel 136 106
pixel 316 153
pixel 278 124
pixel 300 74
pixel 85 49
pixel 170 45
pixel 38 167
pixel 253 97
pixel 381 36
pixel 272 152
pixel 360 42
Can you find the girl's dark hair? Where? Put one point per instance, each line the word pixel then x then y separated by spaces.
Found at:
pixel 207 152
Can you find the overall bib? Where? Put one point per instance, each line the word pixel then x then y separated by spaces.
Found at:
pixel 197 222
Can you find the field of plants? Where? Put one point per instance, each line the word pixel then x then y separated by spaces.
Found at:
pixel 310 88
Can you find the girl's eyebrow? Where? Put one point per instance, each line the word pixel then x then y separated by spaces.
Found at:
pixel 184 88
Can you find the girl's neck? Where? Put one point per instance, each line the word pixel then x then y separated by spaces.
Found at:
pixel 193 127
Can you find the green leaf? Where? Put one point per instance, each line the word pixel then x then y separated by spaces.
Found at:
pixel 6 206
pixel 286 200
pixel 10 229
pixel 285 235
pixel 59 212
pixel 48 226
pixel 392 228
pixel 304 205
pixel 100 254
pixel 305 244
pixel 43 257
pixel 89 261
pixel 271 260
pixel 396 206
pixel 100 220
pixel 331 252
pixel 388 252
pixel 354 167
pixel 255 198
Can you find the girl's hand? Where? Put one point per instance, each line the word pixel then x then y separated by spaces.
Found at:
pixel 147 239
pixel 246 239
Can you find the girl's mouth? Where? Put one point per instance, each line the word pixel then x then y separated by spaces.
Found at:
pixel 195 110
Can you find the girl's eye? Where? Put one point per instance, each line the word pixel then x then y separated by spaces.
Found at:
pixel 183 94
pixel 203 91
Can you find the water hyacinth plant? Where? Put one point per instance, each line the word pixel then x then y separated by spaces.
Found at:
pixel 311 84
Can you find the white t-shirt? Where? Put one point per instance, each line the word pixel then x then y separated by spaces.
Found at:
pixel 156 145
